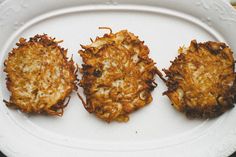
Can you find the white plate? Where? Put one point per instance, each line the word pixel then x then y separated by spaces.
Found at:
pixel 156 130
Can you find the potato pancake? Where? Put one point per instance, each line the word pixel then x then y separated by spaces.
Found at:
pixel 118 76
pixel 201 80
pixel 39 76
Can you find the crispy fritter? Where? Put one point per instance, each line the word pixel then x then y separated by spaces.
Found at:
pixel 201 80
pixel 118 76
pixel 39 76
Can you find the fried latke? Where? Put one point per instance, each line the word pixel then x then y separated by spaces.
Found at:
pixel 118 76
pixel 39 76
pixel 201 80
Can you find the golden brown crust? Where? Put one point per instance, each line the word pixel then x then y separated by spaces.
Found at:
pixel 39 76
pixel 118 76
pixel 201 80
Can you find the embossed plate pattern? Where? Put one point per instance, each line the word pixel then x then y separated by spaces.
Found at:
pixel 156 130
